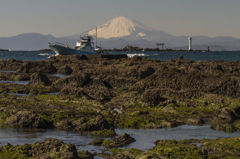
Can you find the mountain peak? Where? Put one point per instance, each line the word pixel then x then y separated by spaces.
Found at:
pixel 120 26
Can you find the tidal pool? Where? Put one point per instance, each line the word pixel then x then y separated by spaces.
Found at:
pixel 59 75
pixel 16 82
pixel 145 138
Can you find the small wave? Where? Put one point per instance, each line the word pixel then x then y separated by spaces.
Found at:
pixel 41 54
pixel 131 55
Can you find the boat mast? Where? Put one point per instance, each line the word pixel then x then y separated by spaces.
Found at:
pixel 96 40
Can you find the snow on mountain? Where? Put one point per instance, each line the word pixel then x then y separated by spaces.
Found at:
pixel 127 28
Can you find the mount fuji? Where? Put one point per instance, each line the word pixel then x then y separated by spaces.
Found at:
pixel 127 28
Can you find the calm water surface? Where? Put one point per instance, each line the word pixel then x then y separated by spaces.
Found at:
pixel 145 138
pixel 160 55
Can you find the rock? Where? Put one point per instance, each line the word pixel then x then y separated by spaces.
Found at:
pixel 64 125
pixel 26 119
pixel 40 66
pixel 151 97
pixel 146 72
pixel 121 140
pixel 38 79
pixel 76 80
pixel 124 155
pixel 72 93
pixel 196 121
pixel 170 108
pixel 65 70
pixel 55 148
pixel 153 126
pixel 79 122
pixel 97 142
pixel 227 115
pixel 98 123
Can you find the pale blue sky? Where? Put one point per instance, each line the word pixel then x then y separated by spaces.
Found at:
pixel 69 17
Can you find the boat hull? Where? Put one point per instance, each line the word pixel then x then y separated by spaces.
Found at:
pixel 62 50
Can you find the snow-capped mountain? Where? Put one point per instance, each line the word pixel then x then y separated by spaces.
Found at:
pixel 127 28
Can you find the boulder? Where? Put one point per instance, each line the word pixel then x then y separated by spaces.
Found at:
pixel 72 93
pixel 53 147
pixel 121 140
pixel 79 122
pixel 196 121
pixel 65 70
pixel 76 80
pixel 26 119
pixel 227 115
pixel 38 79
pixel 64 125
pixel 98 123
pixel 151 97
pixel 170 108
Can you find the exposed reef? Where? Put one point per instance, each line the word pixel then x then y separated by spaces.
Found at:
pixel 149 93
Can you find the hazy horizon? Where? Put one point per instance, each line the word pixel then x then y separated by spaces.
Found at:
pixel 65 18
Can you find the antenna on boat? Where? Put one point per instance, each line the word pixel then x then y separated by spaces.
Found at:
pixel 96 40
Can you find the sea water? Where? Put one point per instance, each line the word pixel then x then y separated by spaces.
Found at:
pixel 159 55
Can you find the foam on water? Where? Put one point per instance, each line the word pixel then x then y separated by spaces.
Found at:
pixel 140 54
pixel 43 54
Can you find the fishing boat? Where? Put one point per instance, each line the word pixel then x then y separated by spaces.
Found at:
pixel 83 47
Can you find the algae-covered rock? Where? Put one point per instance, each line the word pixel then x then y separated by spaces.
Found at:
pixel 170 108
pixel 64 125
pixel 76 80
pixel 196 121
pixel 98 123
pixel 38 79
pixel 119 141
pixel 26 119
pixel 151 97
pixel 227 115
pixel 65 70
pixel 48 149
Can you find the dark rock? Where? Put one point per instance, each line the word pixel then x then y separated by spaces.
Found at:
pixel 227 115
pixel 122 140
pixel 196 121
pixel 38 79
pixel 136 58
pixel 76 80
pixel 71 93
pixel 55 148
pixel 151 97
pixel 97 142
pixel 26 119
pixel 79 122
pixel 64 125
pixel 98 123
pixel 65 70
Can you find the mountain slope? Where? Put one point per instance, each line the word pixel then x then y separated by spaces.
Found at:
pixel 31 41
pixel 127 28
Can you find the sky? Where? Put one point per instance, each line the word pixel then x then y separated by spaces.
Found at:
pixel 70 17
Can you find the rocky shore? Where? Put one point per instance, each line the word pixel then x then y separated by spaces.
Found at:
pixel 149 93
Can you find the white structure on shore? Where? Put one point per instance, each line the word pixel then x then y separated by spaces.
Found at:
pixel 190 44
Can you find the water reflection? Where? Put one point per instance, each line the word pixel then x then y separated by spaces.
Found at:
pixel 145 138
pixel 59 75
pixel 19 94
pixel 117 110
pixel 8 71
pixel 55 93
pixel 15 82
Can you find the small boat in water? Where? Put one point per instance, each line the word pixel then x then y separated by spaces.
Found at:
pixel 83 47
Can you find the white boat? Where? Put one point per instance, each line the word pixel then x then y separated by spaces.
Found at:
pixel 83 47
